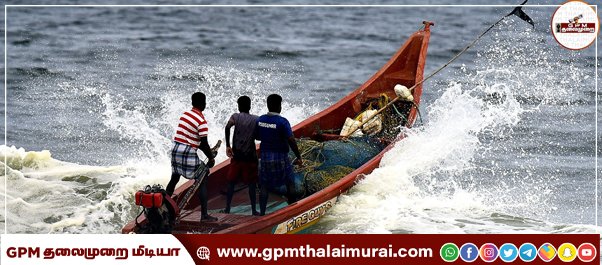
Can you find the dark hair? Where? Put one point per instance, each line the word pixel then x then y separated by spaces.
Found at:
pixel 274 103
pixel 198 100
pixel 244 104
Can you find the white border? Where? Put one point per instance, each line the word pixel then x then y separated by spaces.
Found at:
pixel 6 69
pixel 282 5
pixel 5 123
pixel 596 104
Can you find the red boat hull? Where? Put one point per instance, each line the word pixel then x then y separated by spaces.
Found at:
pixel 406 67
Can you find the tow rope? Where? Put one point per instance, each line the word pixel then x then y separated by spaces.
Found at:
pixel 517 11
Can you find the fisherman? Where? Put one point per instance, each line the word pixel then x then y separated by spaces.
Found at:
pixel 276 135
pixel 191 134
pixel 244 157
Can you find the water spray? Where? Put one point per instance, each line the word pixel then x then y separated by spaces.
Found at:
pixel 403 92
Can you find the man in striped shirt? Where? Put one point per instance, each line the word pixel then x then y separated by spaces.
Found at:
pixel 191 134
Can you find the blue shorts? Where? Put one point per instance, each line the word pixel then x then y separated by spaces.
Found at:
pixel 276 169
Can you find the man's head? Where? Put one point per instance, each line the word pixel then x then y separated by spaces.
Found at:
pixel 198 100
pixel 244 104
pixel 274 103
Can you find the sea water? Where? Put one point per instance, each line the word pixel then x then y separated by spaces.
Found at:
pixel 505 143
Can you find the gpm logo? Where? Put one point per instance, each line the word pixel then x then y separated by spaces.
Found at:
pixel 18 252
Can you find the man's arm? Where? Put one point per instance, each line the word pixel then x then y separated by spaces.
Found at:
pixel 256 133
pixel 204 146
pixel 227 132
pixel 293 144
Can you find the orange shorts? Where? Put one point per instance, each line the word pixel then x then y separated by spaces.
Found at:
pixel 247 171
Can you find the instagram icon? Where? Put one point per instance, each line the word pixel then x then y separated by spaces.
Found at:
pixel 488 252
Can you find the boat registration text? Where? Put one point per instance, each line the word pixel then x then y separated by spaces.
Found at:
pixel 305 219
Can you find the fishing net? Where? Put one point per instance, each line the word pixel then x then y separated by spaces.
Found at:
pixel 393 118
pixel 324 163
pixel 385 125
pixel 320 179
pixel 352 153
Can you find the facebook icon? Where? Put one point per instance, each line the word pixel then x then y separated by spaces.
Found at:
pixel 469 252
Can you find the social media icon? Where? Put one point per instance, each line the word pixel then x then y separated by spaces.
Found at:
pixel 449 252
pixel 469 252
pixel 527 252
pixel 546 252
pixel 488 252
pixel 586 252
pixel 567 252
pixel 508 252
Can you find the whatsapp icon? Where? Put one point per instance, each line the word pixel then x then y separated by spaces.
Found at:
pixel 449 252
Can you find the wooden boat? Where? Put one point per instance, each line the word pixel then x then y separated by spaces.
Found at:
pixel 406 67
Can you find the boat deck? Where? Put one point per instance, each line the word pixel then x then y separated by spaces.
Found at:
pixel 239 213
pixel 190 222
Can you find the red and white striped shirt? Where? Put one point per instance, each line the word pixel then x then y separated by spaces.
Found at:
pixel 191 128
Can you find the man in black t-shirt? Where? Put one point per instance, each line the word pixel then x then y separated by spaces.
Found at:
pixel 243 154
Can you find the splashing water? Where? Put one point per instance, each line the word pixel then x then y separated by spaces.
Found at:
pixel 483 162
pixel 453 176
pixel 415 179
pixel 47 195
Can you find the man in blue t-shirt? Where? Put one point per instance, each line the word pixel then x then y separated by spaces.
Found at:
pixel 276 135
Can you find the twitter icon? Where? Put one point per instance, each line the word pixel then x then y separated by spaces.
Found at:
pixel 508 252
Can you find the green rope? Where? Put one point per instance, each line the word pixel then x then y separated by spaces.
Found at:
pixel 399 113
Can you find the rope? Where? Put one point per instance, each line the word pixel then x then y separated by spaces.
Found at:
pixel 442 67
pixel 138 216
pixel 397 111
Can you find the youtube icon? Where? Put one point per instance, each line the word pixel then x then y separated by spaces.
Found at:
pixel 586 252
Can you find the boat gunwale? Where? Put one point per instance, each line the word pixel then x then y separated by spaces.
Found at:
pixel 267 222
pixel 345 183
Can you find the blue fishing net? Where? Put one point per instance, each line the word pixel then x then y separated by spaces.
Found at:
pixel 352 153
pixel 329 161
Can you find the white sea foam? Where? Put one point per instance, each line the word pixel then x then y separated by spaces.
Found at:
pixel 421 185
pixel 410 191
pixel 427 182
pixel 46 195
